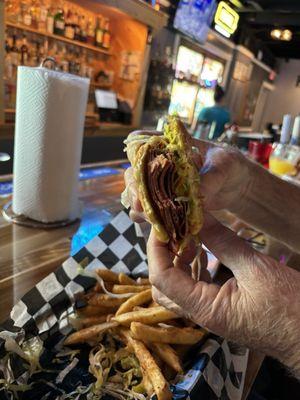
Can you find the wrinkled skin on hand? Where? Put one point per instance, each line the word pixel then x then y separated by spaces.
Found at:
pixel 258 307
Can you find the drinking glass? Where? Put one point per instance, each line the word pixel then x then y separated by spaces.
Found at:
pixel 284 159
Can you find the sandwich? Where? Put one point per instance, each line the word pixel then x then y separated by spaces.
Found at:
pixel 168 183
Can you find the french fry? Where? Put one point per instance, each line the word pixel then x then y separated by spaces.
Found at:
pixel 171 335
pixel 138 308
pixel 153 304
pixel 98 288
pixel 168 372
pixel 104 300
pixel 120 289
pixel 175 322
pixel 90 311
pixel 149 316
pixel 147 384
pixel 95 320
pixel 167 354
pixel 157 359
pixel 151 369
pixel 182 350
pixel 84 335
pixel 125 279
pixel 143 281
pixel 85 296
pixel 108 276
pixel 136 300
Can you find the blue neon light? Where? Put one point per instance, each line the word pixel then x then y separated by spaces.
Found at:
pixel 6 187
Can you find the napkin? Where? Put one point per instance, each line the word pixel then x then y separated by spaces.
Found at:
pixel 50 113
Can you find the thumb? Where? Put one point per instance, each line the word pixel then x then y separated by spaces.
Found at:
pixel 230 249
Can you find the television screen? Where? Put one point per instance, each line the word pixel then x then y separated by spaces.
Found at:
pixel 193 17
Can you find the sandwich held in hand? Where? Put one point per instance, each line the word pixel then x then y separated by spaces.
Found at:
pixel 168 183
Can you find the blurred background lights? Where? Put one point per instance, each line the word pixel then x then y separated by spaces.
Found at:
pixel 281 34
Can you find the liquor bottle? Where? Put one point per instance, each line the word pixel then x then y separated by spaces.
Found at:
pixel 42 23
pixel 38 52
pixel 99 33
pixel 76 26
pixel 77 63
pixel 42 51
pixel 23 6
pixel 46 47
pixel 34 11
pixel 12 11
pixel 8 66
pixel 24 51
pixel 59 22
pixel 15 54
pixel 295 139
pixel 50 21
pixel 69 26
pixel 9 78
pixel 106 34
pixel 91 31
pixel 7 45
pixel 27 19
pixel 83 64
pixel 83 33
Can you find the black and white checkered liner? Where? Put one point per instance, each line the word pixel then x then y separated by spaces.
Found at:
pixel 219 368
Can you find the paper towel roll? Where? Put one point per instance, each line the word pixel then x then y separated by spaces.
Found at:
pixel 286 128
pixel 296 131
pixel 50 113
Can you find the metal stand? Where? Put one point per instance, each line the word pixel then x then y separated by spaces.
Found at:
pixel 10 216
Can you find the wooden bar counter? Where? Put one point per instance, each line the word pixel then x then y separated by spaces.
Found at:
pixel 27 255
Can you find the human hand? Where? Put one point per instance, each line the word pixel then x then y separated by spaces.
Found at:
pixel 258 307
pixel 225 178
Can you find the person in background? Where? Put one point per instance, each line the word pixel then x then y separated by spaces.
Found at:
pixel 217 114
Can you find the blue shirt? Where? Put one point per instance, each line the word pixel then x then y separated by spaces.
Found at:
pixel 217 114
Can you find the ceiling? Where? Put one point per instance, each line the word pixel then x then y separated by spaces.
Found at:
pixel 259 17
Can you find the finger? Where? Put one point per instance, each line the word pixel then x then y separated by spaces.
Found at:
pixel 164 301
pixel 231 250
pixel 204 273
pixel 132 191
pixel 137 217
pixel 212 173
pixel 196 269
pixel 186 256
pixel 175 283
pixel 203 146
pixel 199 267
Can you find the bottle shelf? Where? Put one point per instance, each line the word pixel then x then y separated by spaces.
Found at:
pixel 58 37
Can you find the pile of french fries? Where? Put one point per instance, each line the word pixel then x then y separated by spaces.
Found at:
pixel 158 337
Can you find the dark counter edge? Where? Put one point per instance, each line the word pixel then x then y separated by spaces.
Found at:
pixel 100 144
pixel 106 128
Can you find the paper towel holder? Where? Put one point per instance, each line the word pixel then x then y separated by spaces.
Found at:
pixel 19 219
pixel 50 60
